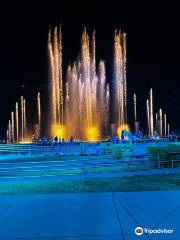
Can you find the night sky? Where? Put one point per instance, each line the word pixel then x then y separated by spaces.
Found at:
pixel 153 50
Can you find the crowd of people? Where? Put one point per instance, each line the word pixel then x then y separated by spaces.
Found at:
pixel 55 140
pixel 126 136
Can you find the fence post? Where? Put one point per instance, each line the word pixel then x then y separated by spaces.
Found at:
pixel 29 150
pixel 172 165
pixel 159 164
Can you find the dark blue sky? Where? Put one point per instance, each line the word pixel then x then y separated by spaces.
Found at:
pixel 153 48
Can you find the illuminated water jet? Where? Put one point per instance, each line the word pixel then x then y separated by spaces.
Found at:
pixel 157 122
pixel 22 118
pixel 151 119
pixel 119 97
pixel 86 102
pixel 17 122
pixel 55 76
pixel 160 123
pixel 87 94
pixel 39 113
pixel 165 125
pixel 148 116
pixel 12 126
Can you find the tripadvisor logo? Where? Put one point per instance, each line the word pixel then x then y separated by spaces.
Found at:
pixel 139 231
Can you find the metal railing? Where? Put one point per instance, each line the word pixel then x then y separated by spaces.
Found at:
pixel 24 149
pixel 82 165
pixel 171 161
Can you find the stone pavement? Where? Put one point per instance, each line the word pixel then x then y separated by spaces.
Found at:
pixel 89 216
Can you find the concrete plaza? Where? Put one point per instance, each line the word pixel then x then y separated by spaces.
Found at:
pixel 89 216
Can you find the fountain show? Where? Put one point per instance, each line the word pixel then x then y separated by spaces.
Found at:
pixel 90 121
pixel 80 103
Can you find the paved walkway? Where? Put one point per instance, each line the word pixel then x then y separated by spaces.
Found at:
pixel 89 216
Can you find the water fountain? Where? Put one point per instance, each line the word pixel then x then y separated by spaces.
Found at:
pixel 12 126
pixel 151 118
pixel 148 116
pixel 17 122
pixel 165 125
pixel 160 123
pixel 56 108
pixel 83 103
pixel 22 119
pixel 84 111
pixel 156 122
pixel 39 113
pixel 119 97
pixel 87 94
